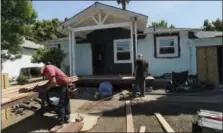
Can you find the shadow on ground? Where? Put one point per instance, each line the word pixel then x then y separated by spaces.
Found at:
pixel 32 123
pixel 148 108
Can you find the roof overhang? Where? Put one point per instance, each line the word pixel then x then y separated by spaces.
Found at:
pixel 108 14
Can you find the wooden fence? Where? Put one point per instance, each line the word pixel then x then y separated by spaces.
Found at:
pixel 5 85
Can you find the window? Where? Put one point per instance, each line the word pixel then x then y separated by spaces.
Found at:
pixel 167 46
pixel 122 51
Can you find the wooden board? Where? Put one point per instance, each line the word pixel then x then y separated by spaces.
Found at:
pixel 164 123
pixel 212 65
pixel 201 64
pixel 207 64
pixel 12 95
pixel 5 84
pixel 72 127
pixel 56 128
pixel 129 119
pixel 142 129
pixel 22 99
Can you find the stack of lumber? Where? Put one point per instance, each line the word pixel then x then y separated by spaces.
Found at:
pixel 14 95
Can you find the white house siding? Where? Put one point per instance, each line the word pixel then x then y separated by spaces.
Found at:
pixel 160 66
pixel 83 59
pixel 13 67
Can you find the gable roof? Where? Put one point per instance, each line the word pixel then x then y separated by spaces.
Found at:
pixel 98 3
pixel 117 12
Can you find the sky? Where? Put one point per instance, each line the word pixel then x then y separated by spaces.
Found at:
pixel 182 14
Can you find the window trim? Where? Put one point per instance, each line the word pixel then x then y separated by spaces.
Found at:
pixel 116 61
pixel 176 50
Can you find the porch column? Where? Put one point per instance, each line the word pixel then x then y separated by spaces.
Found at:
pixel 70 53
pixel 73 54
pixel 131 48
pixel 136 38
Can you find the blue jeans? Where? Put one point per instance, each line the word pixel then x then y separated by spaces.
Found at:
pixel 64 102
pixel 139 83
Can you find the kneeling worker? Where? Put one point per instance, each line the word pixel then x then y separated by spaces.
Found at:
pixel 141 72
pixel 57 77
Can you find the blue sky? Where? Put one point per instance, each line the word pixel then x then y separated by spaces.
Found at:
pixel 188 14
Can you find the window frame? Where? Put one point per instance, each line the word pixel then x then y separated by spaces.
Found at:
pixel 176 50
pixel 116 61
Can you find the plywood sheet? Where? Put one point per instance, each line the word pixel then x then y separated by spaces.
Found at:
pixel 201 63
pixel 212 65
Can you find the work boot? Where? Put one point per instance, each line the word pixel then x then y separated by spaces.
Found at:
pixel 66 118
pixel 61 121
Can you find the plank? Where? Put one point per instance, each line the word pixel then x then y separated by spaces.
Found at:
pixel 56 128
pixel 72 127
pixel 164 123
pixel 12 95
pixel 129 119
pixel 31 85
pixel 20 100
pixel 142 129
pixel 18 87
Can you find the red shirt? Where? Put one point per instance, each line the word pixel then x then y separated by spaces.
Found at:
pixel 51 71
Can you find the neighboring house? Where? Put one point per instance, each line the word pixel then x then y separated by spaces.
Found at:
pixel 103 39
pixel 13 67
pixel 209 56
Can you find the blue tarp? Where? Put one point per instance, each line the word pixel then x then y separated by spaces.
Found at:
pixel 105 89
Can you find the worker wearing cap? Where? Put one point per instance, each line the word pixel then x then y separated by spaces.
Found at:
pixel 140 73
pixel 56 77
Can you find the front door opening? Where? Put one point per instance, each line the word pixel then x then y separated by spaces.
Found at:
pixel 98 59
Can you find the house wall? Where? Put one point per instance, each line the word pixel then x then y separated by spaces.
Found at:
pixel 207 42
pixel 160 66
pixel 83 57
pixel 13 67
pixel 157 67
pixel 102 41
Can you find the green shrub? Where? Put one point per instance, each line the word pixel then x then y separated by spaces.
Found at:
pixel 22 80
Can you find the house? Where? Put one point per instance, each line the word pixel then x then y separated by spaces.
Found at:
pixel 12 68
pixel 103 39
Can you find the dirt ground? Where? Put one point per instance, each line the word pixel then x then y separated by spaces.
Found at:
pixel 113 115
pixel 179 116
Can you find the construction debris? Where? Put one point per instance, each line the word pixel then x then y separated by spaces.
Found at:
pixel 142 129
pixel 208 119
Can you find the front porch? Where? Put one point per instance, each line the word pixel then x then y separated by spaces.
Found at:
pixel 112 34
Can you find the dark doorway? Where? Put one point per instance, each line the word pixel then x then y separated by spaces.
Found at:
pixel 220 61
pixel 98 58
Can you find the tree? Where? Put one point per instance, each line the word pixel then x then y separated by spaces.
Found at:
pixel 216 25
pixel 53 55
pixel 44 30
pixel 161 24
pixel 124 3
pixel 16 16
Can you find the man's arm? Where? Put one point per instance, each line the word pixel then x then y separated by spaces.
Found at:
pixel 51 83
pixel 51 79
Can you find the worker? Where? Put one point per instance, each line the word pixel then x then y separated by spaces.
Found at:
pixel 56 77
pixel 140 73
